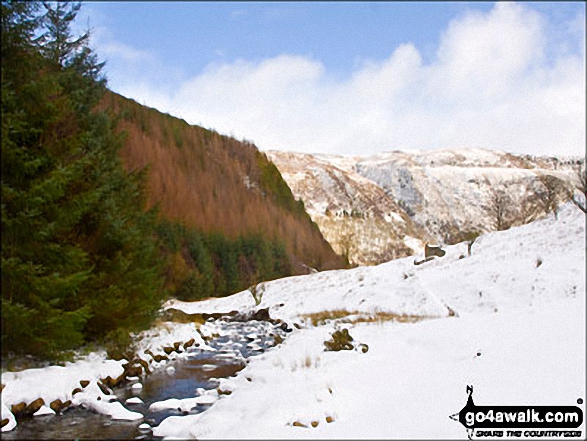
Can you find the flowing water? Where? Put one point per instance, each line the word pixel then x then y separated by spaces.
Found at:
pixel 199 369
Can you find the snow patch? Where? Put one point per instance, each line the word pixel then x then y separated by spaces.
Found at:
pixel 519 325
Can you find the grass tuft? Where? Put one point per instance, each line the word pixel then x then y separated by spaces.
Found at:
pixel 352 317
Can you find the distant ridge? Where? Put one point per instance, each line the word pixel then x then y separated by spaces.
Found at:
pixel 384 206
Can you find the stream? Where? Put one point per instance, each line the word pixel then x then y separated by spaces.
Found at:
pixel 186 377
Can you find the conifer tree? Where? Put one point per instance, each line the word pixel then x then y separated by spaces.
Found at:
pixel 78 257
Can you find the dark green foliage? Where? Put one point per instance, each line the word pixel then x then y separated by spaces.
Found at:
pixel 78 256
pixel 224 255
pixel 170 234
pixel 204 265
pixel 177 137
pixel 273 184
pixel 220 266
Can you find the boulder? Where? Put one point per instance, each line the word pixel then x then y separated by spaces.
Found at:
pixel 105 390
pixel 433 250
pixel 362 347
pixel 34 406
pixel 58 406
pixel 113 382
pixel 341 341
pixel 261 315
pixel 145 365
pixel 133 369
pixel 189 343
pixel 18 409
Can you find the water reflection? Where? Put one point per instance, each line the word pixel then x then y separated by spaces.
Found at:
pixel 177 379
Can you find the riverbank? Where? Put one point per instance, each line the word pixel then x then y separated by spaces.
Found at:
pixel 413 377
pixel 88 381
pixel 509 320
pixel 506 318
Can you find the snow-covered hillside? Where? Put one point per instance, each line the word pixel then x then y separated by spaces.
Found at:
pixel 509 319
pixel 517 334
pixel 534 263
pixel 355 215
pixel 381 207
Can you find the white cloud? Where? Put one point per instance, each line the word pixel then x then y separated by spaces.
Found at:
pixel 489 85
pixel 123 52
pixel 136 73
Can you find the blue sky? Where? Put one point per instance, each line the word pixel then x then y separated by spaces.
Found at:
pixel 194 34
pixel 355 77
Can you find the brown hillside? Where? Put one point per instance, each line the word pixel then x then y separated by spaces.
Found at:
pixel 215 183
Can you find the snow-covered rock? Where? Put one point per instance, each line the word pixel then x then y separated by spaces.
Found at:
pixel 57 382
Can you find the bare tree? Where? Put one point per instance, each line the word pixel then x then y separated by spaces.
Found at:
pixel 500 209
pixel 581 187
pixel 554 192
pixel 346 243
pixel 531 207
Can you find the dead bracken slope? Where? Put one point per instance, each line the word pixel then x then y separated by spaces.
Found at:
pixel 216 183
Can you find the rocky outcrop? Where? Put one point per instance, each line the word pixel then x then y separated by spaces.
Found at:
pixel 377 208
pixel 355 215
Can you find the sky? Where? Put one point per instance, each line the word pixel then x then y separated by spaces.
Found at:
pixel 355 78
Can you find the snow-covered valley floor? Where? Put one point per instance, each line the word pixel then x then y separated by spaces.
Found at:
pixel 412 378
pixel 509 320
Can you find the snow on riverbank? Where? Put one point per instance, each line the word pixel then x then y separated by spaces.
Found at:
pixel 509 319
pixel 518 337
pixel 55 383
pixel 412 378
pixel 60 382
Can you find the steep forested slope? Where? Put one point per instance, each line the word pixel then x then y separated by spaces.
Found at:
pixel 215 184
pixel 108 206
